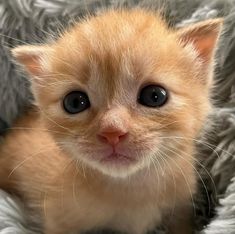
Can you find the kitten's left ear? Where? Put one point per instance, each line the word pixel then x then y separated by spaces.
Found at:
pixel 203 36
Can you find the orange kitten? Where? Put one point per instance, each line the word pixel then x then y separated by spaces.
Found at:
pixel 121 98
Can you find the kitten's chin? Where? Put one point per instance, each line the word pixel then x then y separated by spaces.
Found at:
pixel 118 166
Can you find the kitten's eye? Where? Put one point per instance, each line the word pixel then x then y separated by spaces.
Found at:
pixel 153 96
pixel 76 102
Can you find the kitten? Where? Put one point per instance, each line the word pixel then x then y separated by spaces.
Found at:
pixel 120 99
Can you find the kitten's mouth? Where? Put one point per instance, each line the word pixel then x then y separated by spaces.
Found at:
pixel 116 158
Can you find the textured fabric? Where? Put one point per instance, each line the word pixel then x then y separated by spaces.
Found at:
pixel 32 21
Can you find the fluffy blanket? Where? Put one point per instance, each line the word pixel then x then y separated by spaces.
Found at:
pixel 24 21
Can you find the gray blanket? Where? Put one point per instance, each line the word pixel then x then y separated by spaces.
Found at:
pixel 30 21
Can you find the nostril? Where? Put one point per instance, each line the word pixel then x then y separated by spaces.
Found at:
pixel 123 136
pixel 102 138
pixel 112 138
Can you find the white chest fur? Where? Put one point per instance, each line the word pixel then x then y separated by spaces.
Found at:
pixel 132 206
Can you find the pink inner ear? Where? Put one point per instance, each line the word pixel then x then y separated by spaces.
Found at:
pixel 32 64
pixel 203 36
pixel 30 57
pixel 205 46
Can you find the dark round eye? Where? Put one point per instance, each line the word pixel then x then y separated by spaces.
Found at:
pixel 76 102
pixel 153 96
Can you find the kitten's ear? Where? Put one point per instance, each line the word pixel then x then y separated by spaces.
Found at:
pixel 32 58
pixel 203 36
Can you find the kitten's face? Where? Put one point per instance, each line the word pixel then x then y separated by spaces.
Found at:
pixel 123 91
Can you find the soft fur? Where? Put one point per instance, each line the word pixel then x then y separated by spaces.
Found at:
pixel 225 115
pixel 111 57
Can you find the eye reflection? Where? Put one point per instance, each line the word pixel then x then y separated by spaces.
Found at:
pixel 153 96
pixel 76 102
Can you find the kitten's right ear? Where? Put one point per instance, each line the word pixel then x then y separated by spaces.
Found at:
pixel 33 58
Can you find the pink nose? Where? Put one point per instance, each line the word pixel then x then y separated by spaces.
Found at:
pixel 113 137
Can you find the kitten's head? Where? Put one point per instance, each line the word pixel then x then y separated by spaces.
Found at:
pixel 121 90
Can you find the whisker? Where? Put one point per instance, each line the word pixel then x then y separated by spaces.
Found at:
pixel 39 129
pixel 173 177
pixel 28 158
pixel 210 146
pixel 155 167
pixel 15 39
pixel 44 203
pixel 46 148
pixel 53 121
pixel 186 181
pixel 74 180
pixel 200 164
pixel 165 125
pixel 200 177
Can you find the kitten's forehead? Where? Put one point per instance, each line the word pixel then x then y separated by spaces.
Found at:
pixel 112 41
pixel 117 30
pixel 115 50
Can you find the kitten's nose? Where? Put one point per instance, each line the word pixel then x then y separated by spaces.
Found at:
pixel 112 136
